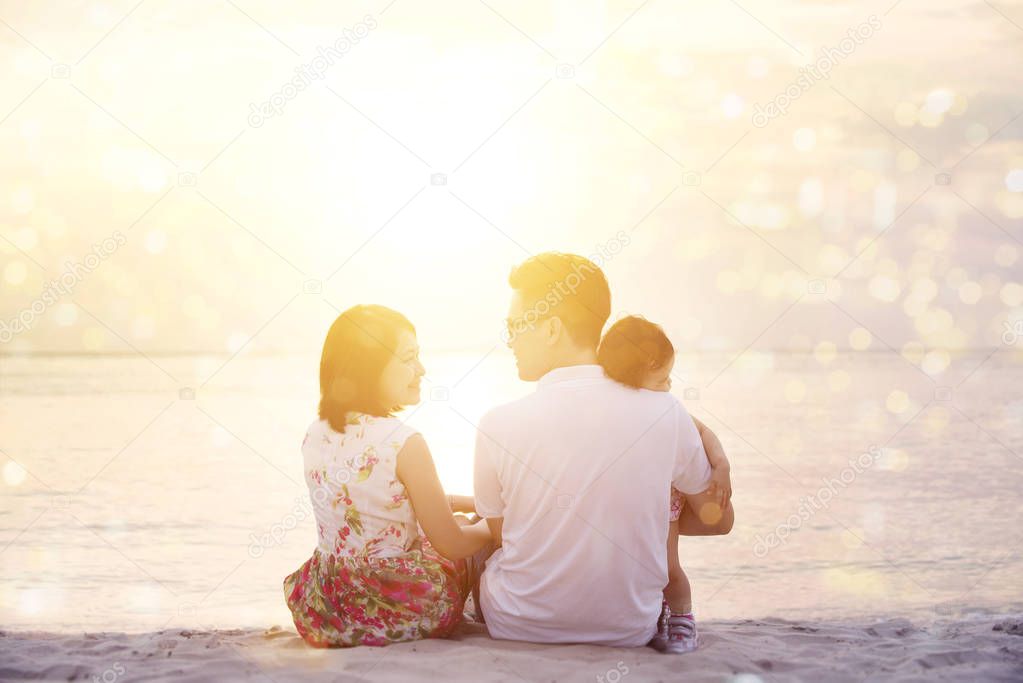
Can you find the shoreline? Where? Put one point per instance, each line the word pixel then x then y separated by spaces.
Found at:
pixel 745 651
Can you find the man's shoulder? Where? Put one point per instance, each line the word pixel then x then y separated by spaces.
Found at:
pixel 642 399
pixel 510 411
pixel 664 400
pixel 614 393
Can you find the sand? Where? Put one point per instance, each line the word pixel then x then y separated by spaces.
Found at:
pixel 744 651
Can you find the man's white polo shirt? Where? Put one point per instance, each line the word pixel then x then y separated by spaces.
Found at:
pixel 581 472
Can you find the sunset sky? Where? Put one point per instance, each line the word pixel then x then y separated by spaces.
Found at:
pixel 445 144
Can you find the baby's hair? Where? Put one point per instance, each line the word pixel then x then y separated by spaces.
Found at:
pixel 631 348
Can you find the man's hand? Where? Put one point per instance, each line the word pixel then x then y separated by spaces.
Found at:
pixel 721 485
pixel 720 470
pixel 703 516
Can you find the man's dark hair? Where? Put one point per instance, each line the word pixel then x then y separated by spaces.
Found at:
pixel 568 286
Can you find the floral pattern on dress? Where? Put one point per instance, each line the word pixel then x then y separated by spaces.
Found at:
pixel 343 602
pixel 372 580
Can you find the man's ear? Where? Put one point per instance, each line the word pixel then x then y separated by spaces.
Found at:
pixel 555 328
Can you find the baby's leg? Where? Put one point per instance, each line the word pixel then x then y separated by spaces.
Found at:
pixel 678 594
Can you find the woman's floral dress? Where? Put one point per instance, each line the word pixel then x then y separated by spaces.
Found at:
pixel 372 579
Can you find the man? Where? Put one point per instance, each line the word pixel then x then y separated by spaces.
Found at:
pixel 574 480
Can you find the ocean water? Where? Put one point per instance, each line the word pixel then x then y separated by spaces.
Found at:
pixel 148 493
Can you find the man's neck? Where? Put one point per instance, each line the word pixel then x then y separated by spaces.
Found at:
pixel 576 357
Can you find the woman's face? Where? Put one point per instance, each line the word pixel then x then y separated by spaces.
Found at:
pixel 399 383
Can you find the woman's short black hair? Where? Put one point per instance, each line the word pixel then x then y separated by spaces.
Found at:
pixel 359 345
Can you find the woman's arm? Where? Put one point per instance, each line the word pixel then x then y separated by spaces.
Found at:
pixel 465 504
pixel 416 471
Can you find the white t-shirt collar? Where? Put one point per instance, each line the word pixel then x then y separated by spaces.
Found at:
pixel 570 373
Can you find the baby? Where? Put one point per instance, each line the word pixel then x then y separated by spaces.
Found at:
pixel 637 353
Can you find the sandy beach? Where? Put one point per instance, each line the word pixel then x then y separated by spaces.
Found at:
pixel 980 649
pixel 149 574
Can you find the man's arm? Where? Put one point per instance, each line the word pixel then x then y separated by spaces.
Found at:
pixel 489 499
pixel 691 472
pixel 703 513
pixel 721 479
pixel 496 524
pixel 702 516
pixel 711 444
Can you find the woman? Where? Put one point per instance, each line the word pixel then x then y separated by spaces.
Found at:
pixel 372 579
